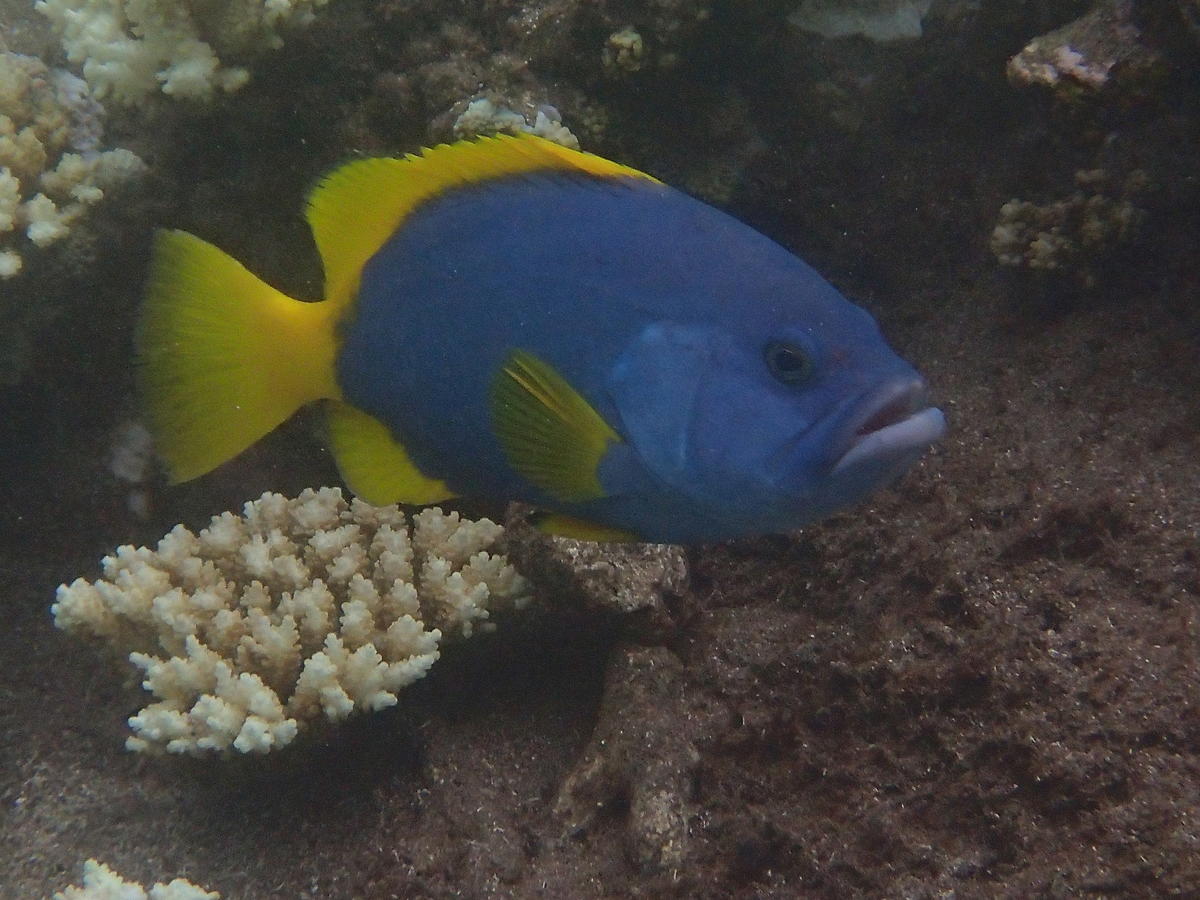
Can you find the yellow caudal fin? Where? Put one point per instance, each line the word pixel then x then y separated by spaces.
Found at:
pixel 224 357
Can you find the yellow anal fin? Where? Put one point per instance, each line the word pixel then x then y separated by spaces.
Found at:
pixel 223 357
pixel 580 529
pixel 374 465
pixel 358 206
pixel 550 435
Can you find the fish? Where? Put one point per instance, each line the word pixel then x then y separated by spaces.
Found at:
pixel 506 319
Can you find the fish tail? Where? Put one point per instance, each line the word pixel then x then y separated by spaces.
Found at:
pixel 223 357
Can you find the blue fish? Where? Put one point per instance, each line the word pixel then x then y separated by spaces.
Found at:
pixel 509 319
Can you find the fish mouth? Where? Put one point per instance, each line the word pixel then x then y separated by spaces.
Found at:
pixel 890 428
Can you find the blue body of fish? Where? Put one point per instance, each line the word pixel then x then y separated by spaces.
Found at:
pixel 660 311
pixel 512 320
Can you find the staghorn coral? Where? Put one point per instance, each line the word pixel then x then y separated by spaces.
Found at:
pixel 51 169
pixel 130 49
pixel 297 610
pixel 102 883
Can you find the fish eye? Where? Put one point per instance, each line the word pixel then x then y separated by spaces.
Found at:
pixel 787 363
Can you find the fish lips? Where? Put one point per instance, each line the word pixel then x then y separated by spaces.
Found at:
pixel 887 431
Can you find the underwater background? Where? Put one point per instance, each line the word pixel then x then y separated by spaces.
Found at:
pixel 982 682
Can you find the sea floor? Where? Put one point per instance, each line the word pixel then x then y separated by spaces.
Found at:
pixel 983 683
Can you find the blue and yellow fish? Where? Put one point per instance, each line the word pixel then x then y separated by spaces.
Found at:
pixel 509 319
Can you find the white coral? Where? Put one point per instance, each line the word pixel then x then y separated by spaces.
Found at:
pixel 131 49
pixel 50 168
pixel 483 116
pixel 102 883
pixel 297 610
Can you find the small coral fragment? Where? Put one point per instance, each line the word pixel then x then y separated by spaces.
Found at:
pixel 485 116
pixel 624 51
pixel 102 883
pixel 298 610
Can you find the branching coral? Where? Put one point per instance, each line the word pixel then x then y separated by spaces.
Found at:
pixel 51 168
pixel 298 610
pixel 133 48
pixel 1071 233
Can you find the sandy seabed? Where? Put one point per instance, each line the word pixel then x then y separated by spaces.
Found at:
pixel 983 682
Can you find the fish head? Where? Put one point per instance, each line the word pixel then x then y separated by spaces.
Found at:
pixel 765 427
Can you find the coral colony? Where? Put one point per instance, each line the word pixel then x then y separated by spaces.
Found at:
pixel 51 165
pixel 297 611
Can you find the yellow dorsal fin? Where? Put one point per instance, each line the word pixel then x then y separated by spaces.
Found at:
pixel 550 434
pixel 358 206
pixel 374 465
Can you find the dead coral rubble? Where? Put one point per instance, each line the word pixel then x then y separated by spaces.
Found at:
pixel 639 754
pixel 1099 50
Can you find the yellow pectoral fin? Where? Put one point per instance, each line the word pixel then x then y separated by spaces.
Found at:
pixel 374 465
pixel 550 434
pixel 580 529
